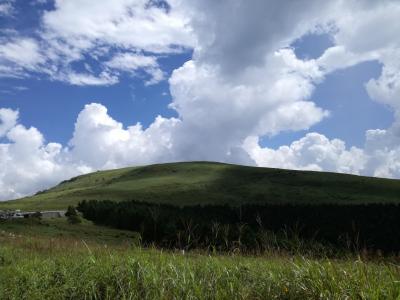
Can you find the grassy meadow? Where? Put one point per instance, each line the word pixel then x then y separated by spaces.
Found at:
pixel 53 259
pixel 61 229
pixel 56 260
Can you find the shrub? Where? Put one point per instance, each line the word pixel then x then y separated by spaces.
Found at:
pixel 72 215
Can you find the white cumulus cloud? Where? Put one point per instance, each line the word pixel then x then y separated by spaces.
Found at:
pixel 8 119
pixel 28 163
pixel 312 152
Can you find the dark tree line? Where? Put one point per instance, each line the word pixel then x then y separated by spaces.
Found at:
pixel 374 226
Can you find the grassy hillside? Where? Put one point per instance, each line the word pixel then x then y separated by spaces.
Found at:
pixel 213 183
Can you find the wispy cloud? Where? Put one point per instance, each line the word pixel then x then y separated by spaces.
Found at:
pixel 6 8
pixel 112 33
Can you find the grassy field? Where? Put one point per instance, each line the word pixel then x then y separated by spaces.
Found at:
pixel 60 228
pixel 213 183
pixel 52 259
pixel 89 262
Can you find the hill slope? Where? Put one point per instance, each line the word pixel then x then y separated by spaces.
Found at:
pixel 191 183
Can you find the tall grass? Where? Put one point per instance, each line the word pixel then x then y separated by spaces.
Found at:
pixel 42 268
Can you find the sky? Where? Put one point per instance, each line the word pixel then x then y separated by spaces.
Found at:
pixel 89 85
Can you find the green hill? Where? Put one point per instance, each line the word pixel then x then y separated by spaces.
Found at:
pixel 191 183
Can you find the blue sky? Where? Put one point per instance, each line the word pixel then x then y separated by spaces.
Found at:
pixel 53 107
pixel 311 86
pixel 343 94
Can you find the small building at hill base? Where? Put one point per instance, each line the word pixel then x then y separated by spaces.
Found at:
pixel 53 214
pixel 48 214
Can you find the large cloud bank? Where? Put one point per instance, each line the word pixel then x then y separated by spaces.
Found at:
pixel 243 82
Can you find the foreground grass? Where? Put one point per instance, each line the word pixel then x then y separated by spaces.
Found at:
pixel 48 267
